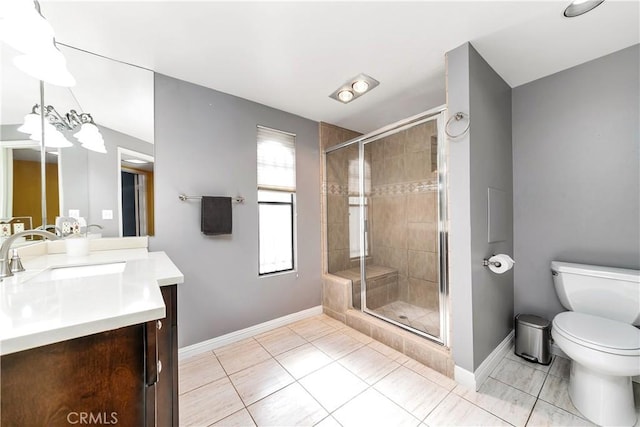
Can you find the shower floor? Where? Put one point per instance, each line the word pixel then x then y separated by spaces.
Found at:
pixel 411 315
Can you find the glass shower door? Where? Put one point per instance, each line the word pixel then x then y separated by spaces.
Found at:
pixel 402 237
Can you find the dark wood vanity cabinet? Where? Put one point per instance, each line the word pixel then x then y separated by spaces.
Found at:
pixel 167 385
pixel 110 378
pixel 162 396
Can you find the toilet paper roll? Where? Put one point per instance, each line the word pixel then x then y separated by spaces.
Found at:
pixel 501 263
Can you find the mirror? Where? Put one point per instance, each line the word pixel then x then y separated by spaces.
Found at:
pixel 20 160
pixel 119 98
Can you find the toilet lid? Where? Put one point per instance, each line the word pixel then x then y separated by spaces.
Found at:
pixel 598 332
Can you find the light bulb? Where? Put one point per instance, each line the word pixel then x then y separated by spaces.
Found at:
pixel 87 130
pixel 345 95
pixel 360 86
pixel 89 135
pixel 31 124
pixel 52 137
pixel 48 65
pixel 55 139
pixel 25 30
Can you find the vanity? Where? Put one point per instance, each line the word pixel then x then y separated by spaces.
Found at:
pixel 86 339
pixel 92 339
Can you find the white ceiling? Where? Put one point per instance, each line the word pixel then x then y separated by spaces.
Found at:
pixel 292 55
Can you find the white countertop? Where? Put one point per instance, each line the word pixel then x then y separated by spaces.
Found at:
pixel 36 311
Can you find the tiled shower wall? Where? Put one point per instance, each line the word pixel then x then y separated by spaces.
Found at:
pixel 336 240
pixel 403 211
pixel 339 187
pixel 401 189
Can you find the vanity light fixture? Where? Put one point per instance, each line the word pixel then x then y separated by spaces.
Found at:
pixel 27 31
pixel 354 88
pixel 56 124
pixel 23 26
pixel 580 7
pixel 135 161
pixel 52 137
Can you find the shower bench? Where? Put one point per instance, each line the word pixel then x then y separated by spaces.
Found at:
pixel 382 285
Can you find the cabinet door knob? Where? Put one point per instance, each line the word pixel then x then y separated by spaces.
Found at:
pixel 159 366
pixel 159 324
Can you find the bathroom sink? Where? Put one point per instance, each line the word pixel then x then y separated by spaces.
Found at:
pixel 76 271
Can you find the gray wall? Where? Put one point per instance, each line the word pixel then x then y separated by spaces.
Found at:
pixel 460 278
pixel 576 174
pixel 491 167
pixel 481 301
pixel 90 179
pixel 206 145
pixel 11 133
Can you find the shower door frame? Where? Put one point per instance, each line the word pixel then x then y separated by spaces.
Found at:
pixel 436 114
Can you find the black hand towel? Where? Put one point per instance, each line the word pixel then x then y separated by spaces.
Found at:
pixel 216 215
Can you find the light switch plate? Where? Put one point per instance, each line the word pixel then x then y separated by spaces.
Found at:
pixel 18 227
pixel 107 214
pixel 74 213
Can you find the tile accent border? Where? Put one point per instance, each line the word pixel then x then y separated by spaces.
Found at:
pixel 334 189
pixel 399 189
pixel 230 338
pixel 404 188
pixel 475 379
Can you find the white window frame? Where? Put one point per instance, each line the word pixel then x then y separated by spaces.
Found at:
pixel 278 187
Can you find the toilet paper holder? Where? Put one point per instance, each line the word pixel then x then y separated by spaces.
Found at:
pixel 487 263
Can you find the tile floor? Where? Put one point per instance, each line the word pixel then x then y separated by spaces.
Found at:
pixel 318 372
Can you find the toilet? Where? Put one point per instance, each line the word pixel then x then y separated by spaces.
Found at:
pixel 599 336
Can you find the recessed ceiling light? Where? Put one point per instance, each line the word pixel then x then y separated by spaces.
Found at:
pixel 135 161
pixel 579 7
pixel 345 95
pixel 354 88
pixel 360 86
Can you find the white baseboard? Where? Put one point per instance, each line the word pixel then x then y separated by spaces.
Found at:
pixel 230 338
pixel 474 380
pixel 493 359
pixel 464 377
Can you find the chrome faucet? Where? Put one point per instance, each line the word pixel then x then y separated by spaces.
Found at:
pixel 5 269
pixel 88 227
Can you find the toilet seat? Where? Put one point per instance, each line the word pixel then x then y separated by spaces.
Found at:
pixel 598 333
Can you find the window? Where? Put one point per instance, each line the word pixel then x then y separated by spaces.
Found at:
pixel 276 200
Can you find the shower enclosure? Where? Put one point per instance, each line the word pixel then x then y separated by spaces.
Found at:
pixel 386 217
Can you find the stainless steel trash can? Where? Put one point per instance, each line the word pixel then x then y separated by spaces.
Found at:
pixel 533 334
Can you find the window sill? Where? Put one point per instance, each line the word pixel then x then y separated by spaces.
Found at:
pixel 278 273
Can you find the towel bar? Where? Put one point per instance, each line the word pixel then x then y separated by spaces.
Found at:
pixel 238 200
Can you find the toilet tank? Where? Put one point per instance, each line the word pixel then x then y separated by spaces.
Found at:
pixel 613 293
